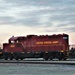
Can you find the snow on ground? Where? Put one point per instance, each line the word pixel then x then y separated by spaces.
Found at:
pixel 36 69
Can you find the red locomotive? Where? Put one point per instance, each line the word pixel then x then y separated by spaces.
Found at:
pixel 34 46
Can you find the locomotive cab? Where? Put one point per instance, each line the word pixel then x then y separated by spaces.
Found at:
pixel 14 48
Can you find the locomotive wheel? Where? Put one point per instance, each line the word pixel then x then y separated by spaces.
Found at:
pixel 11 58
pixel 16 58
pixel 60 58
pixel 51 58
pixel 6 58
pixel 21 58
pixel 64 58
pixel 46 58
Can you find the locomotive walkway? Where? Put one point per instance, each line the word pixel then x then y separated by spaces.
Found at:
pixel 68 62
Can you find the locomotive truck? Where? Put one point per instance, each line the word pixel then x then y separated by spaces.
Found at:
pixel 37 46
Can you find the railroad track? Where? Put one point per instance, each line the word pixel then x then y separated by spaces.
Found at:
pixel 67 62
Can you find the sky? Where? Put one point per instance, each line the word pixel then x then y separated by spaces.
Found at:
pixel 40 17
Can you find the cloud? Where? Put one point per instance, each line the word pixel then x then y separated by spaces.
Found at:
pixel 38 16
pixel 37 12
